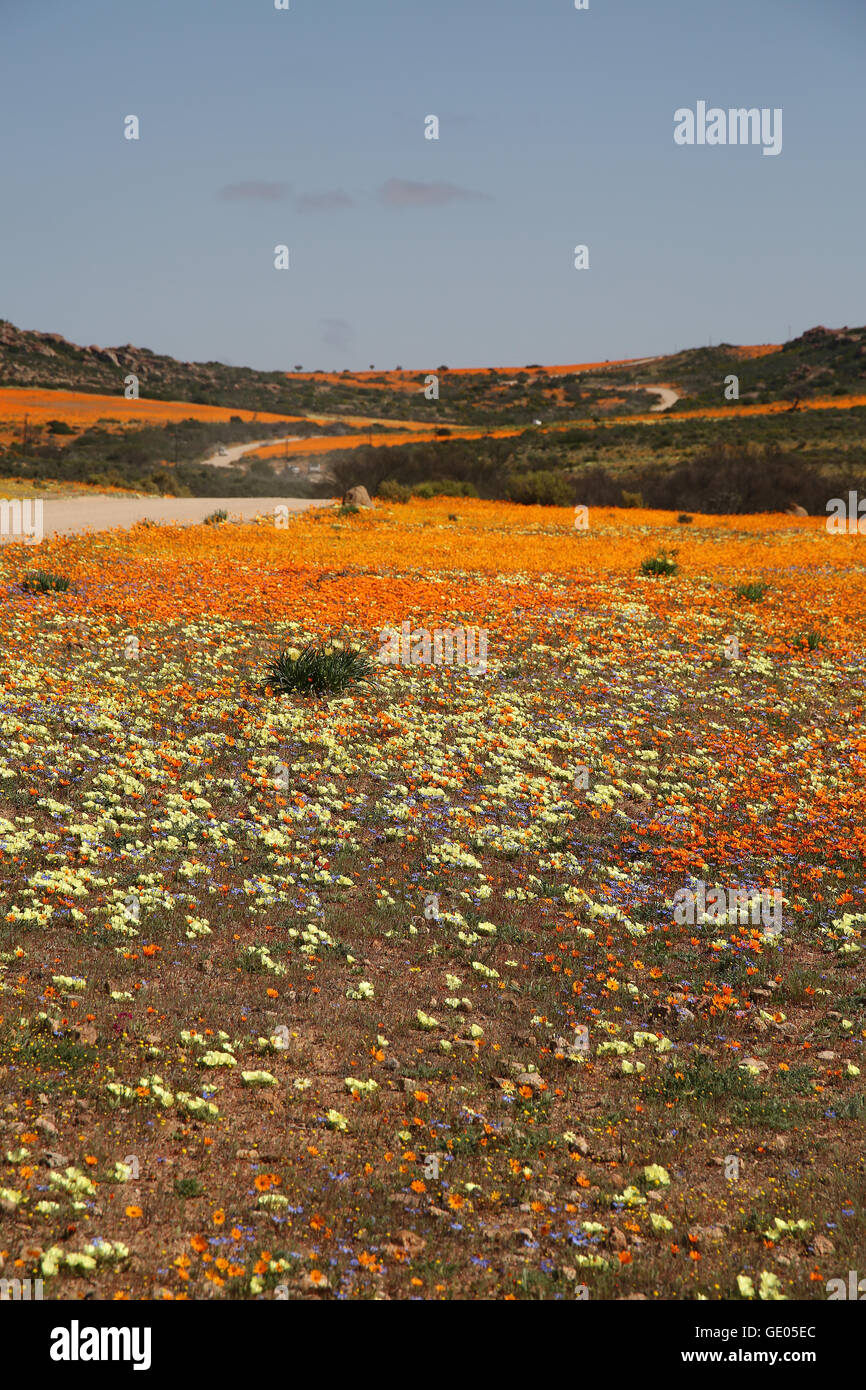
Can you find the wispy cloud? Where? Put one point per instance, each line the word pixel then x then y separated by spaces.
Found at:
pixel 254 191
pixel 403 193
pixel 330 201
pixel 336 333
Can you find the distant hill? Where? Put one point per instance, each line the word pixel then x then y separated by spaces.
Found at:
pixel 822 362
pixel 48 359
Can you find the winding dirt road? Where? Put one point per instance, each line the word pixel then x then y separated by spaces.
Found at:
pixel 70 516
pixel 237 451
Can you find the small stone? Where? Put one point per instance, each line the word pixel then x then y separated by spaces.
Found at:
pixel 53 1159
pixel 307 1284
pixel 707 1232
pixel 525 1234
pixel 409 1242
pixel 755 1062
pixel 531 1079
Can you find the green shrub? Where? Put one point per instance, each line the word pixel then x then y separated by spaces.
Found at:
pixel 188 1187
pixel 348 509
pixel 663 563
pixel 448 487
pixel 319 668
pixel 41 582
pixel 632 499
pixel 216 518
pixel 540 487
pixel 684 519
pixel 394 492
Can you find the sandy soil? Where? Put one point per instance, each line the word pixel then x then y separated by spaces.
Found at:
pixel 666 396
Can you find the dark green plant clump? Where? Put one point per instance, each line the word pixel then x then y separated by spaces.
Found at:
pixel 319 669
pixel 663 563
pixel 753 591
pixel 42 582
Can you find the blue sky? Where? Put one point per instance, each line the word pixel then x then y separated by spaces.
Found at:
pixel 306 127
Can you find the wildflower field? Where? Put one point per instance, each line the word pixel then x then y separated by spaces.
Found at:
pixel 384 994
pixel 82 410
